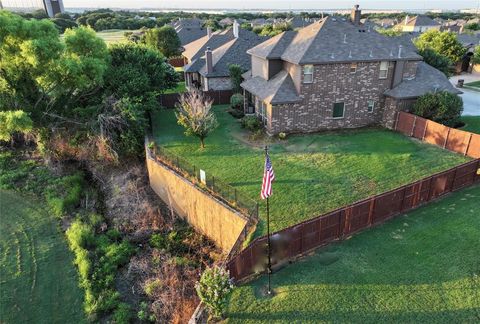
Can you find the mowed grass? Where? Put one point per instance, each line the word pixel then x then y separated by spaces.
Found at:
pixel 38 280
pixel 474 84
pixel 315 173
pixel 422 267
pixel 472 124
pixel 181 87
pixel 113 35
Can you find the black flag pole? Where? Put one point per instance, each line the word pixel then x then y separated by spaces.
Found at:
pixel 269 264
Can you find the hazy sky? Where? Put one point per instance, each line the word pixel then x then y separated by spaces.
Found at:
pixel 275 4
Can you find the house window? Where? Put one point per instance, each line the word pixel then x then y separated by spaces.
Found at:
pixel 338 109
pixel 308 73
pixel 383 70
pixel 371 105
pixel 353 67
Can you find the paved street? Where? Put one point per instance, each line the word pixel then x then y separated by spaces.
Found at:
pixel 471 99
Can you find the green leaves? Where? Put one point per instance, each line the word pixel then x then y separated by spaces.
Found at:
pixel 444 43
pixel 442 107
pixel 164 39
pixel 14 121
pixel 214 288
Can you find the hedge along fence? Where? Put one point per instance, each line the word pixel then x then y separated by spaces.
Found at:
pixel 452 139
pixel 299 239
pixel 219 97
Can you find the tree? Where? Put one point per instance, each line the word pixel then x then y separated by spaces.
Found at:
pixel 138 71
pixel 214 288
pixel 236 72
pixel 443 43
pixel 389 32
pixel 194 113
pixel 62 24
pixel 472 26
pixel 213 24
pixel 14 121
pixel 476 55
pixel 164 39
pixel 442 107
pixel 438 61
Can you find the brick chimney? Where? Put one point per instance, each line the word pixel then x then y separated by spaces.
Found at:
pixel 355 15
pixel 209 32
pixel 236 28
pixel 209 60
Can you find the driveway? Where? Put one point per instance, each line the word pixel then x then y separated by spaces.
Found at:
pixel 471 98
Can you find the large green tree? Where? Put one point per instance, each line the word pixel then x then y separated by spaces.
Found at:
pixel 443 43
pixel 438 61
pixel 164 39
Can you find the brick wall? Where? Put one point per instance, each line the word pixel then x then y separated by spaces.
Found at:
pixel 334 83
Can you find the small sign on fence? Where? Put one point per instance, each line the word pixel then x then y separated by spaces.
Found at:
pixel 203 177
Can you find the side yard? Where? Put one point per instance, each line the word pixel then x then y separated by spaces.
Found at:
pixel 314 173
pixel 472 124
pixel 421 267
pixel 38 279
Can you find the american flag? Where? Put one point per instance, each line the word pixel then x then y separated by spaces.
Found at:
pixel 268 178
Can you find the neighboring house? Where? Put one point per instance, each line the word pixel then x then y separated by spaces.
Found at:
pixel 208 58
pixel 189 30
pixel 335 74
pixel 258 22
pixel 417 24
pixel 299 22
pixel 225 22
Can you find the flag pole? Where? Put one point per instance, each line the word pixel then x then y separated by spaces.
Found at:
pixel 269 264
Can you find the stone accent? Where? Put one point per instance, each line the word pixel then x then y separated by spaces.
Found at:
pixel 334 83
pixel 223 83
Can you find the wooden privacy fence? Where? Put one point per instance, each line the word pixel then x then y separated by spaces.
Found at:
pixel 176 61
pixel 298 239
pixel 219 97
pixel 452 139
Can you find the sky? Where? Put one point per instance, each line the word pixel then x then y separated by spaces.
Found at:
pixel 276 4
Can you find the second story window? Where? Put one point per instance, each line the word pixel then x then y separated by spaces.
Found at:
pixel 353 67
pixel 308 73
pixel 371 106
pixel 383 70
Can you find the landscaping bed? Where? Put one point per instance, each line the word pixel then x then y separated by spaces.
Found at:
pixel 315 173
pixel 421 267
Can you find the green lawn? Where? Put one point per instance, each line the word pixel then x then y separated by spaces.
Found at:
pixel 422 267
pixel 113 35
pixel 474 84
pixel 472 124
pixel 314 173
pixel 181 87
pixel 38 280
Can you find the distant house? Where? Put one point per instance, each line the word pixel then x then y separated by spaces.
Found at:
pixel 299 22
pixel 189 30
pixel 417 24
pixel 226 22
pixel 209 57
pixel 335 73
pixel 258 22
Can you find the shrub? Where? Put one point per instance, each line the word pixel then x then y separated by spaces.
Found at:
pixel 282 135
pixel 95 219
pixel 442 107
pixel 235 72
pixel 236 101
pixel 122 314
pixel 236 113
pixel 214 288
pixel 153 286
pixel 252 123
pixel 80 236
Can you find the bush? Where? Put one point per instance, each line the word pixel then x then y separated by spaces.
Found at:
pixel 282 135
pixel 236 113
pixel 214 288
pixel 236 101
pixel 442 107
pixel 152 286
pixel 80 236
pixel 252 123
pixel 122 314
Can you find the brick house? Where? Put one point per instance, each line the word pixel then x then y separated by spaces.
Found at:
pixel 335 74
pixel 209 57
pixel 417 24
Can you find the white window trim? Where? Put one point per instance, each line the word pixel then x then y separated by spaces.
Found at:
pixel 304 74
pixel 373 106
pixel 385 70
pixel 343 112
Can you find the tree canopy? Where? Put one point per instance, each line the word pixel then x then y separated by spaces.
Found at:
pixel 164 39
pixel 443 43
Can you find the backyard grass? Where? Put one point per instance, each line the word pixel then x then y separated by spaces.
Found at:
pixel 181 87
pixel 314 173
pixel 472 124
pixel 474 84
pixel 422 267
pixel 113 35
pixel 38 280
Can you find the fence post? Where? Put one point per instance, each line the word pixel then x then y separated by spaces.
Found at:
pixel 446 138
pixel 468 144
pixel 425 130
pixel 396 119
pixel 413 126
pixel 370 212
